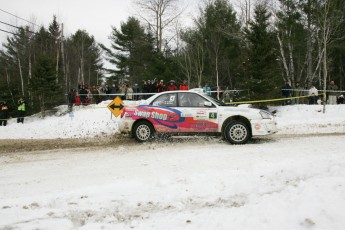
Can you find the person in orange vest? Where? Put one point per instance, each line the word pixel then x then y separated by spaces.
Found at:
pixel 160 86
pixel 184 85
pixel 172 86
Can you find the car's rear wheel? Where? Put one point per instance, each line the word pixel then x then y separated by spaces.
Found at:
pixel 143 131
pixel 237 132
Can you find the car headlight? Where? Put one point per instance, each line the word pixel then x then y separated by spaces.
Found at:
pixel 266 115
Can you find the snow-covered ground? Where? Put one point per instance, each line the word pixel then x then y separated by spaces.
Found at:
pixel 279 182
pixel 96 120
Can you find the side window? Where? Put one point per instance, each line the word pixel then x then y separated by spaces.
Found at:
pixel 168 100
pixel 191 100
pixel 184 100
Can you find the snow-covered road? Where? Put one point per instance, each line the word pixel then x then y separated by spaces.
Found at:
pixel 274 183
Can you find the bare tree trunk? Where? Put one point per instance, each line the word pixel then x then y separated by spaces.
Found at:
pixel 217 76
pixel 283 59
pixel 309 49
pixel 186 64
pixel 82 61
pixel 63 60
pixel 79 76
pixel 200 63
pixel 325 69
pixel 292 66
pixel 159 14
pixel 57 62
pixel 21 75
pixel 8 85
pixel 247 13
pixel 89 80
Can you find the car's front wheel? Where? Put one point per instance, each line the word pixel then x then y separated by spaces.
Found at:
pixel 237 132
pixel 143 131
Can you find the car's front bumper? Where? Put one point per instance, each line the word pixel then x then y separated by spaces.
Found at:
pixel 125 126
pixel 263 127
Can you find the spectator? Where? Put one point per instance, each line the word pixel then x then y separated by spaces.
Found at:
pixel 102 92
pixel 332 95
pixel 123 91
pixel 219 93
pixel 21 111
pixel 129 92
pixel 136 91
pixel 172 86
pixel 80 84
pixel 313 95
pixel 298 93
pixel 71 99
pixel 95 94
pixel 184 85
pixel 107 91
pixel 145 90
pixel 160 86
pixel 206 89
pixel 149 86
pixel 77 99
pixel 112 90
pixel 340 99
pixel 83 94
pixel 4 115
pixel 153 86
pixel 286 93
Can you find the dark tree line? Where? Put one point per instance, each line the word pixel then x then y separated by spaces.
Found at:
pixel 41 66
pixel 278 42
pixel 259 49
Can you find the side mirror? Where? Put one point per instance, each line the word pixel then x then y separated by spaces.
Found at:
pixel 207 104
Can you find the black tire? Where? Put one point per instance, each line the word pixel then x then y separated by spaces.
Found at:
pixel 237 132
pixel 143 131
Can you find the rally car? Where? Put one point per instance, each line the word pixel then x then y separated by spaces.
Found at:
pixel 193 112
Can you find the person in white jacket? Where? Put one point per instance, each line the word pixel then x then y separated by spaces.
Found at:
pixel 313 95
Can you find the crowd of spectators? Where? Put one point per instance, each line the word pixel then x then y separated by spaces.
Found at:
pixel 85 95
pixel 311 95
pixel 5 112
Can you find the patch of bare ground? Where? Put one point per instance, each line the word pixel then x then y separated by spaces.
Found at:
pixel 30 145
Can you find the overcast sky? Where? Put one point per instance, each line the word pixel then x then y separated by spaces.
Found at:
pixel 96 17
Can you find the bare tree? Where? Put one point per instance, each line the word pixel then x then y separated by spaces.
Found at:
pixel 328 20
pixel 193 62
pixel 158 14
pixel 245 8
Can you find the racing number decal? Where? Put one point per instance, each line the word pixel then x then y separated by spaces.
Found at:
pixel 213 115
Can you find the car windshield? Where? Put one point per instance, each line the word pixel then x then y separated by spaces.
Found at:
pixel 217 102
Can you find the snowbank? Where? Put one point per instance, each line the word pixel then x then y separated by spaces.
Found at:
pixel 309 119
pixel 96 120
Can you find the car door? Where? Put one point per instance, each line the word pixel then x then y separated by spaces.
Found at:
pixel 200 114
pixel 163 113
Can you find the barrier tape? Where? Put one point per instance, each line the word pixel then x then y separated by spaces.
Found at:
pixel 227 103
pixel 269 100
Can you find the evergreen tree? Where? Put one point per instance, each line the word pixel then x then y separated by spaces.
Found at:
pixel 292 37
pixel 131 51
pixel 83 58
pixel 220 32
pixel 262 69
pixel 43 84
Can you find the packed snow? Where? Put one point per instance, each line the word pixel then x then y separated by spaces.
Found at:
pixel 97 120
pixel 291 180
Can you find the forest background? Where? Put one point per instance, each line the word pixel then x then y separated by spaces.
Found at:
pixel 256 46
